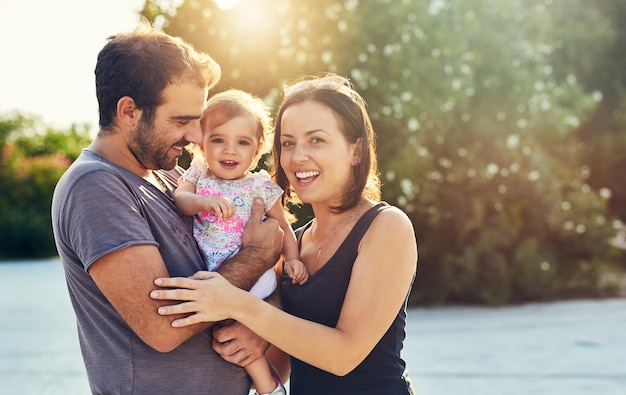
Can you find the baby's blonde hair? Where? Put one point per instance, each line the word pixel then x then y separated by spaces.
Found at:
pixel 224 106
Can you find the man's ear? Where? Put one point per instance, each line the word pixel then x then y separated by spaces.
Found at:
pixel 127 112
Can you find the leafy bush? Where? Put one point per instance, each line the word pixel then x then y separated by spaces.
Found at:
pixel 32 160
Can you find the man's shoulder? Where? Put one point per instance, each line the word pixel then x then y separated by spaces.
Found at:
pixel 87 162
pixel 91 171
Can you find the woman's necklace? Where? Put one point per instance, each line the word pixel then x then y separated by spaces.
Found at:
pixel 339 226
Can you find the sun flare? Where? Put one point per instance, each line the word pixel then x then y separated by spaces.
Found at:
pixel 226 4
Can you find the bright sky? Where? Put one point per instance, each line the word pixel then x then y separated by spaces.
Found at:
pixel 49 50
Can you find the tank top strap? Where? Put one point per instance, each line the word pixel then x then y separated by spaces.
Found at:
pixel 363 224
pixel 359 229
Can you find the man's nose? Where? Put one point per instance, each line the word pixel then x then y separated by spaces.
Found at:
pixel 193 133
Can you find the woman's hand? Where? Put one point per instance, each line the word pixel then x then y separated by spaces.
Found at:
pixel 205 296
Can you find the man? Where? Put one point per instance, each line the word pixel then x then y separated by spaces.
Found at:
pixel 117 229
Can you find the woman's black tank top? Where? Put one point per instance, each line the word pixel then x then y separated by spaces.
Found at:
pixel 320 300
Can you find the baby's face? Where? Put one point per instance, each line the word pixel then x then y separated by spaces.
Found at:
pixel 231 148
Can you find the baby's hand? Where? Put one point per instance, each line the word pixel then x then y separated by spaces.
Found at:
pixel 222 206
pixel 296 270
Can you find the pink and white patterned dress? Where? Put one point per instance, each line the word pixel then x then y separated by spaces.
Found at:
pixel 220 239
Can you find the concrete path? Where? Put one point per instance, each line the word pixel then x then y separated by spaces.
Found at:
pixel 573 348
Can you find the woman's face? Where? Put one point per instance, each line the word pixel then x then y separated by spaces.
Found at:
pixel 315 155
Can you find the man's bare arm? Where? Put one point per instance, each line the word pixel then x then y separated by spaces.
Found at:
pixel 260 250
pixel 127 287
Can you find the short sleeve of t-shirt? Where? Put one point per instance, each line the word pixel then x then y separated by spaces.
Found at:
pixel 106 216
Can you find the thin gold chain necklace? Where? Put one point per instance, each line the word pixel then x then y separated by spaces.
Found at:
pixel 339 226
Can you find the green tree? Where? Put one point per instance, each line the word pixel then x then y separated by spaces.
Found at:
pixel 476 116
pixel 599 62
pixel 32 160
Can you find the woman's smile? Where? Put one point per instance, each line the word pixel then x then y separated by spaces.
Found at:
pixel 306 177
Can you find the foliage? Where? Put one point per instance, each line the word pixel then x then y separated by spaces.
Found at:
pixel 32 160
pixel 501 129
pixel 477 105
pixel 604 131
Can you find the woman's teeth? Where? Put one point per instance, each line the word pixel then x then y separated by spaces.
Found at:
pixel 307 174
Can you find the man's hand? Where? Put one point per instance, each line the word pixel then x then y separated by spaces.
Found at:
pixel 237 344
pixel 265 236
pixel 262 243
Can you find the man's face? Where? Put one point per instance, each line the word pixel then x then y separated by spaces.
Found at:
pixel 159 144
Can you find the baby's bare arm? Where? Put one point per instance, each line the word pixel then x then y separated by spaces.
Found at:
pixel 190 203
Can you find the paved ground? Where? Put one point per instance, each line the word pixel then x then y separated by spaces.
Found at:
pixel 571 348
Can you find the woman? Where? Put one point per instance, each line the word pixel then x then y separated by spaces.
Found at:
pixel 344 327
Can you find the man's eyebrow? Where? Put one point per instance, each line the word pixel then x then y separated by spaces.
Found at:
pixel 186 117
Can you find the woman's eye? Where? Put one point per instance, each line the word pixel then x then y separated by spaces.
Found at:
pixel 286 143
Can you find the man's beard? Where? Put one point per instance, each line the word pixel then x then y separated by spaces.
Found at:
pixel 147 147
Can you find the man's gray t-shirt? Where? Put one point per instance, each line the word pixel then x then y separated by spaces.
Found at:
pixel 99 208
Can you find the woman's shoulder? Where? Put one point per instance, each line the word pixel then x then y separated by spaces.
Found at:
pixel 389 214
pixel 391 231
pixel 390 225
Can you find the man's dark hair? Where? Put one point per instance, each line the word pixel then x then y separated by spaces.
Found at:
pixel 141 64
